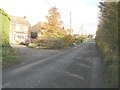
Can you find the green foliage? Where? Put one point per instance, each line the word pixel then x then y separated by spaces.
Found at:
pixel 68 40
pixel 51 43
pixel 5 14
pixel 54 35
pixel 81 38
pixel 0 56
pixel 9 56
pixel 32 45
pixel 55 44
pixel 107 37
pixel 4 28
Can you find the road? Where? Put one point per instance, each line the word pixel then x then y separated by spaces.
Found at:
pixel 79 67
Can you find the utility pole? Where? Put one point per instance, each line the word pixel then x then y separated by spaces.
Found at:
pixel 71 23
pixel 70 20
pixel 82 30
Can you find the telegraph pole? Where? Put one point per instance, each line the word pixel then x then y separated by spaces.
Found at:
pixel 70 20
pixel 82 29
pixel 71 23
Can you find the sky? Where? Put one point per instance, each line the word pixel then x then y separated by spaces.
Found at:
pixel 83 12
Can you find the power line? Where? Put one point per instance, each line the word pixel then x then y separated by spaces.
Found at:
pixel 47 2
pixel 81 30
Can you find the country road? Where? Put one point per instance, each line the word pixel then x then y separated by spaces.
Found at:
pixel 79 67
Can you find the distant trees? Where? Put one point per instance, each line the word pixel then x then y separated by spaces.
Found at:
pixel 107 36
pixel 90 36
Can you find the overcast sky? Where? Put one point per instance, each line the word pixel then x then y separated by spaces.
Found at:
pixel 83 11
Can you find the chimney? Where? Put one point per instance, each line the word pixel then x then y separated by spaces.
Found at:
pixel 25 17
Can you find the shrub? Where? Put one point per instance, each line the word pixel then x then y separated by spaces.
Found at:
pixel 55 44
pixel 32 45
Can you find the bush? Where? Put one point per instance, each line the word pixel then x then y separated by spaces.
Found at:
pixel 68 41
pixel 55 44
pixel 32 45
pixel 51 43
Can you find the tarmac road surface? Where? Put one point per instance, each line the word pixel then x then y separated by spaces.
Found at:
pixel 79 67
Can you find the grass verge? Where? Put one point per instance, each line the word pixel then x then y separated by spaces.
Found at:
pixel 9 56
pixel 110 60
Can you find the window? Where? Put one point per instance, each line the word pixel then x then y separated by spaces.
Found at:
pixel 17 27
pixel 25 28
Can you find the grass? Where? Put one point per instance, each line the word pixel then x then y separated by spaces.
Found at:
pixel 112 73
pixel 110 60
pixel 0 57
pixel 9 56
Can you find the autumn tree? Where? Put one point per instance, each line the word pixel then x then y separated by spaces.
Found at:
pixel 54 35
pixel 53 26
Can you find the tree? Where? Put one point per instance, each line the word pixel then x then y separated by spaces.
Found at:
pixel 108 24
pixel 54 34
pixel 4 28
pixel 53 26
pixel 107 38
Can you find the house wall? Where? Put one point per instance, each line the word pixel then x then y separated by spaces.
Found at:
pixel 18 32
pixel 4 28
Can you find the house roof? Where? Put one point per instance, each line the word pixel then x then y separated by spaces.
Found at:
pixel 19 20
pixel 37 27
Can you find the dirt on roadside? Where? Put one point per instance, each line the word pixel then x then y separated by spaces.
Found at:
pixel 28 55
